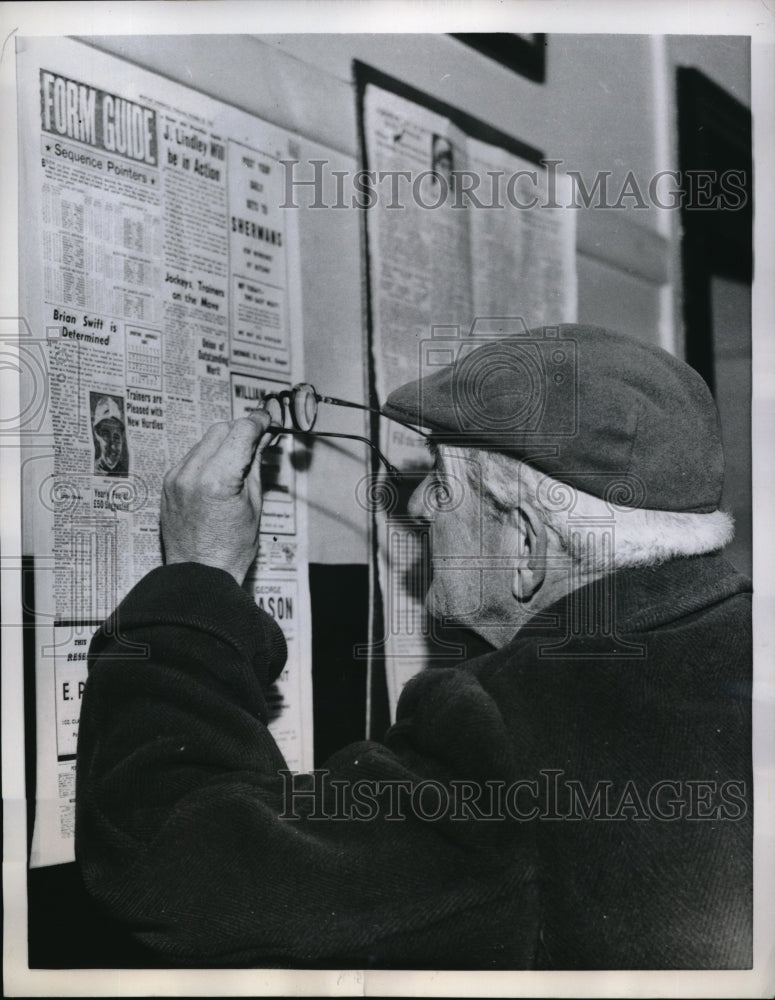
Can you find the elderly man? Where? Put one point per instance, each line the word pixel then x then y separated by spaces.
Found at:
pixel 578 797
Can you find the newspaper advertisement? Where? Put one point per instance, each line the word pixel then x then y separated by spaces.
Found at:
pixel 157 289
pixel 450 258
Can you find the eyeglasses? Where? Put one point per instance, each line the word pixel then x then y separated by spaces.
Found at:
pixel 301 402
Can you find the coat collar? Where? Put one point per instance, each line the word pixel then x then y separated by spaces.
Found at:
pixel 650 597
pixel 639 599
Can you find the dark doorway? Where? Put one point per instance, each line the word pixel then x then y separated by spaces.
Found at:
pixel 716 166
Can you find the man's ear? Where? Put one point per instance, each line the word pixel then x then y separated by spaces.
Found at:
pixel 530 570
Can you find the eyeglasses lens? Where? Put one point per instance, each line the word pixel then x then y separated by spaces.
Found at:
pixel 305 406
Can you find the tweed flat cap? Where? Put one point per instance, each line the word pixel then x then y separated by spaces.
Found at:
pixel 593 408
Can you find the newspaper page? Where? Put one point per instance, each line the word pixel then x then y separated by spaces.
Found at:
pixel 420 278
pixel 160 287
pixel 527 239
pixel 451 258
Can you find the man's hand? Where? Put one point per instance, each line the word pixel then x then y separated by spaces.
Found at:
pixel 211 503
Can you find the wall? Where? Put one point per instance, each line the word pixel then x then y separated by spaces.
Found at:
pixel 608 104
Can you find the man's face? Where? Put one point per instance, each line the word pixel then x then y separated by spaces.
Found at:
pixel 472 566
pixel 110 434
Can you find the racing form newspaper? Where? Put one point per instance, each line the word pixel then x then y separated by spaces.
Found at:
pixel 159 292
pixel 465 239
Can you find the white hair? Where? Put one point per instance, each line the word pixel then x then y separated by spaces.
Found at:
pixel 599 535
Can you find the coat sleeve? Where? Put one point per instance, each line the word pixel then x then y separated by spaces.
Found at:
pixel 190 830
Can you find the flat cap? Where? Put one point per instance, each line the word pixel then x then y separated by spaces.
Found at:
pixel 593 408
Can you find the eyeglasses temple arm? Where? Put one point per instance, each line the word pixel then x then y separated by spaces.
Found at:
pixel 352 437
pixel 370 409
